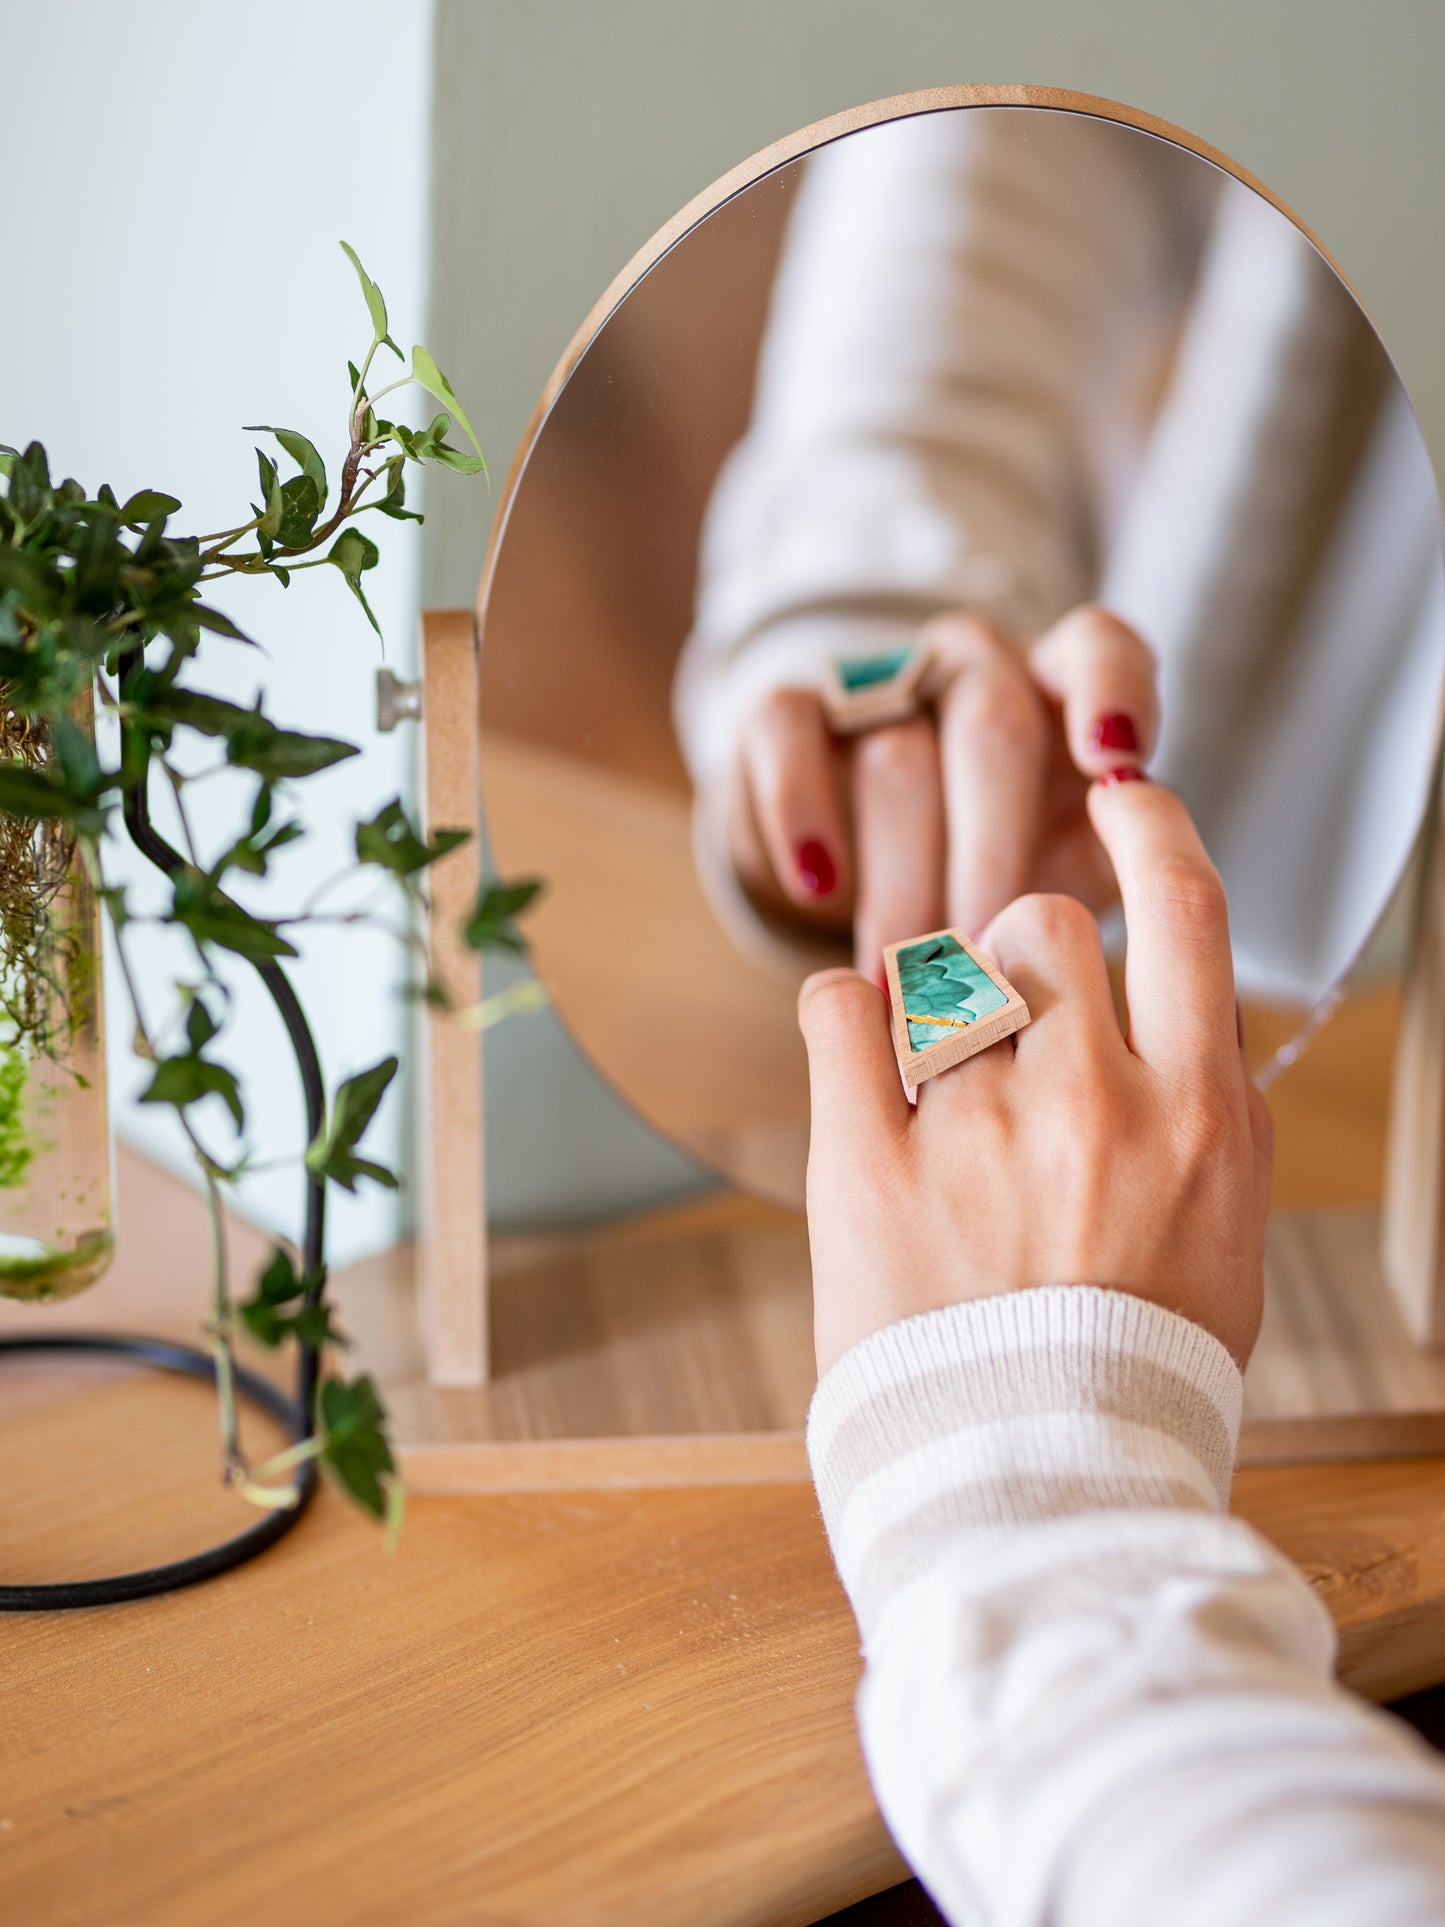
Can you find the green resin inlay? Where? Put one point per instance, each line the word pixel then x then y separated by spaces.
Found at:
pixel 55 1273
pixel 867 672
pixel 939 979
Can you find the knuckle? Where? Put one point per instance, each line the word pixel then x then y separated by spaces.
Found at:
pixel 1053 916
pixel 896 756
pixel 1187 893
pixel 785 709
pixel 1037 924
pixel 1208 1127
pixel 999 711
pixel 835 1010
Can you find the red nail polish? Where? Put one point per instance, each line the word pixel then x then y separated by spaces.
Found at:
pixel 1115 732
pixel 1126 773
pixel 816 869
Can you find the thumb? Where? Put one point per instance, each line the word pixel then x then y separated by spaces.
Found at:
pixel 858 1100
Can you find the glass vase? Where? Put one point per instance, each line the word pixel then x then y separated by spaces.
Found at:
pixel 56 1229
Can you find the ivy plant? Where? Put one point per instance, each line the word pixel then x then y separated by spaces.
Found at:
pixel 99 594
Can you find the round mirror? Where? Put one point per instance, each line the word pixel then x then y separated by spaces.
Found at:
pixel 958 371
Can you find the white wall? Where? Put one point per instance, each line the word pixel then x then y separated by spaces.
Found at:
pixel 179 175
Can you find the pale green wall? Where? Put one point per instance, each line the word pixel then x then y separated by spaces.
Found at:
pixel 567 131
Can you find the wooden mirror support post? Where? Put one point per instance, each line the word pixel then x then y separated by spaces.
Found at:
pixel 1413 1238
pixel 452 1254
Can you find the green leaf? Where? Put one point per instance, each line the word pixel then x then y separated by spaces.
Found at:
pixel 200 907
pixel 301 451
pixel 456 458
pixel 201 1027
pixel 331 1154
pixel 300 506
pixel 375 306
pixel 184 1080
pixel 271 495
pixel 218 624
pixel 355 1449
pixel 353 553
pixel 148 505
pixel 38 793
pixel 252 740
pixel 76 759
pixel 279 1286
pixel 280 753
pixel 389 841
pixel 425 371
pixel 490 926
pixel 393 502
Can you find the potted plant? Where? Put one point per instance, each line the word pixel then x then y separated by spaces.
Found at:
pixel 106 620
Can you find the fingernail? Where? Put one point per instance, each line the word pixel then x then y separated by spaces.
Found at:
pixel 1126 773
pixel 815 868
pixel 1115 732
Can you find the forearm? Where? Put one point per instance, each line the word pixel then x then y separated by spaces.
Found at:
pixel 1090 1696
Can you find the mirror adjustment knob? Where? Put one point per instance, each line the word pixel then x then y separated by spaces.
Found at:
pixel 396 701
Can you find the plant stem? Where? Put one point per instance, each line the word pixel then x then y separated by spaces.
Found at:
pixel 218 1329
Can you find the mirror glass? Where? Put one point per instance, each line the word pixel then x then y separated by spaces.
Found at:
pixel 999 360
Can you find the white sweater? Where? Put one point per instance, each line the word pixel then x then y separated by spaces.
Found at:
pixel 1091 1699
pixel 1016 359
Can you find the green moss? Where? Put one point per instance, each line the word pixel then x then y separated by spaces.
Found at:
pixel 15 1149
pixel 56 1273
pixel 940 980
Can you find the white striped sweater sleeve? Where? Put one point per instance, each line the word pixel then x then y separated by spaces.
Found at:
pixel 1091 1699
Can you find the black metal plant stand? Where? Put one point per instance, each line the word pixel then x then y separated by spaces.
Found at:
pixel 298 1414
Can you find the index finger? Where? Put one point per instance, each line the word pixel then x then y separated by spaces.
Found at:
pixel 1179 972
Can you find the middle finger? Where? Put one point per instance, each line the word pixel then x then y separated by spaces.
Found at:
pixel 898 838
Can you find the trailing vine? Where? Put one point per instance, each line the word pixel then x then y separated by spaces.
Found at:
pixel 102 599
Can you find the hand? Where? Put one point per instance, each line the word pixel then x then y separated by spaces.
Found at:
pixel 1066 1154
pixel 947 817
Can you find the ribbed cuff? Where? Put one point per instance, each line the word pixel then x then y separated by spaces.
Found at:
pixel 1011 1411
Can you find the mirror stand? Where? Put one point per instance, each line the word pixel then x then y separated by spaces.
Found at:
pixel 1413 1245
pixel 675 1347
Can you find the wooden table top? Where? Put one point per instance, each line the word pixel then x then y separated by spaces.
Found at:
pixel 633 1707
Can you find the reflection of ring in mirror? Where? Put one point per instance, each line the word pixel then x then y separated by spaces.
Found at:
pixel 867 692
pixel 948 1002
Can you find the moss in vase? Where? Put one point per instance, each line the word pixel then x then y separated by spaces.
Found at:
pixel 55 1273
pixel 15 1148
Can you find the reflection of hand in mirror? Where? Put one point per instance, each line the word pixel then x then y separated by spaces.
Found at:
pixel 948 816
pixel 1153 1152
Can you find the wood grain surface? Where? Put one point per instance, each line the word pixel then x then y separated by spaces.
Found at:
pixel 588 1709
pixel 620 1708
pixel 453 1268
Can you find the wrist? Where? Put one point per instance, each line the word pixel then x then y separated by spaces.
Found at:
pixel 1011 1412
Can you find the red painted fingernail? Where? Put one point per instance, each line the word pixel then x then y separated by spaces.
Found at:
pixel 815 868
pixel 1126 773
pixel 1115 732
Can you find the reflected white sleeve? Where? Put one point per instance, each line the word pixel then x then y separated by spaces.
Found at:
pixel 1092 1699
pixel 958 302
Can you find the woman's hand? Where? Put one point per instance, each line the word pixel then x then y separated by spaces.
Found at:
pixel 1066 1154
pixel 947 817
